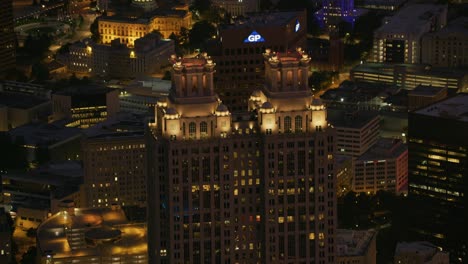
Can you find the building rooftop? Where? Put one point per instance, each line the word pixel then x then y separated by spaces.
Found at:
pixel 105 232
pixel 350 119
pixel 84 89
pixel 21 101
pixel 455 107
pixel 5 226
pixel 359 93
pixel 54 65
pixel 342 159
pixel 53 173
pixel 425 250
pixel 57 179
pixel 25 88
pixel 458 26
pixel 35 134
pixel 416 15
pixel 421 69
pixel 425 90
pixel 264 19
pixel 384 148
pixel 145 18
pixel 353 242
pixel 121 125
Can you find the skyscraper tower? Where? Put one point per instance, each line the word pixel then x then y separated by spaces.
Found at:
pixel 7 39
pixel 335 11
pixel 343 7
pixel 255 190
pixel 438 173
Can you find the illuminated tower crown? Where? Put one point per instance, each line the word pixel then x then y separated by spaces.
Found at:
pixel 192 80
pixel 286 103
pixel 286 72
pixel 193 110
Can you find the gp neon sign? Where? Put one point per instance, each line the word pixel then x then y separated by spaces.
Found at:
pixel 254 37
pixel 298 26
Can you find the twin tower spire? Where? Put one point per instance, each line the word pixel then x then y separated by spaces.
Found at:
pixel 194 111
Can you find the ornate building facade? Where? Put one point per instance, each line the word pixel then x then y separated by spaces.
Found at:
pixel 259 189
pixel 129 29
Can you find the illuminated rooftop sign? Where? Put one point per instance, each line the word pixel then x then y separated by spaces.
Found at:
pixel 254 37
pixel 298 26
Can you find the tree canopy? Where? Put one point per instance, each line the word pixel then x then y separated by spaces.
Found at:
pixel 94 28
pixel 12 155
pixel 37 45
pixel 200 32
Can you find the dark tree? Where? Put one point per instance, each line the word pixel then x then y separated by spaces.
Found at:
pixel 31 232
pixel 344 28
pixel 322 80
pixel 40 72
pixel 200 32
pixel 293 5
pixel 30 256
pixel 266 4
pixel 167 76
pixel 201 5
pixel 157 32
pixel 184 36
pixel 312 23
pixel 37 46
pixel 64 48
pixel 42 155
pixel 94 28
pixel 313 26
pixel 12 155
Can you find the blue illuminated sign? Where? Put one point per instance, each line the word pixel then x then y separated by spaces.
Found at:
pixel 298 26
pixel 254 37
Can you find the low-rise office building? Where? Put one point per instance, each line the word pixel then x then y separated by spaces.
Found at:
pixel 358 96
pixel 356 131
pixel 141 96
pixel 384 167
pixel 396 42
pixel 25 88
pixel 116 60
pixel 85 105
pixel 17 110
pixel 419 252
pixel 22 103
pixel 54 180
pixel 54 141
pixel 424 95
pixel 447 47
pixel 35 194
pixel 356 246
